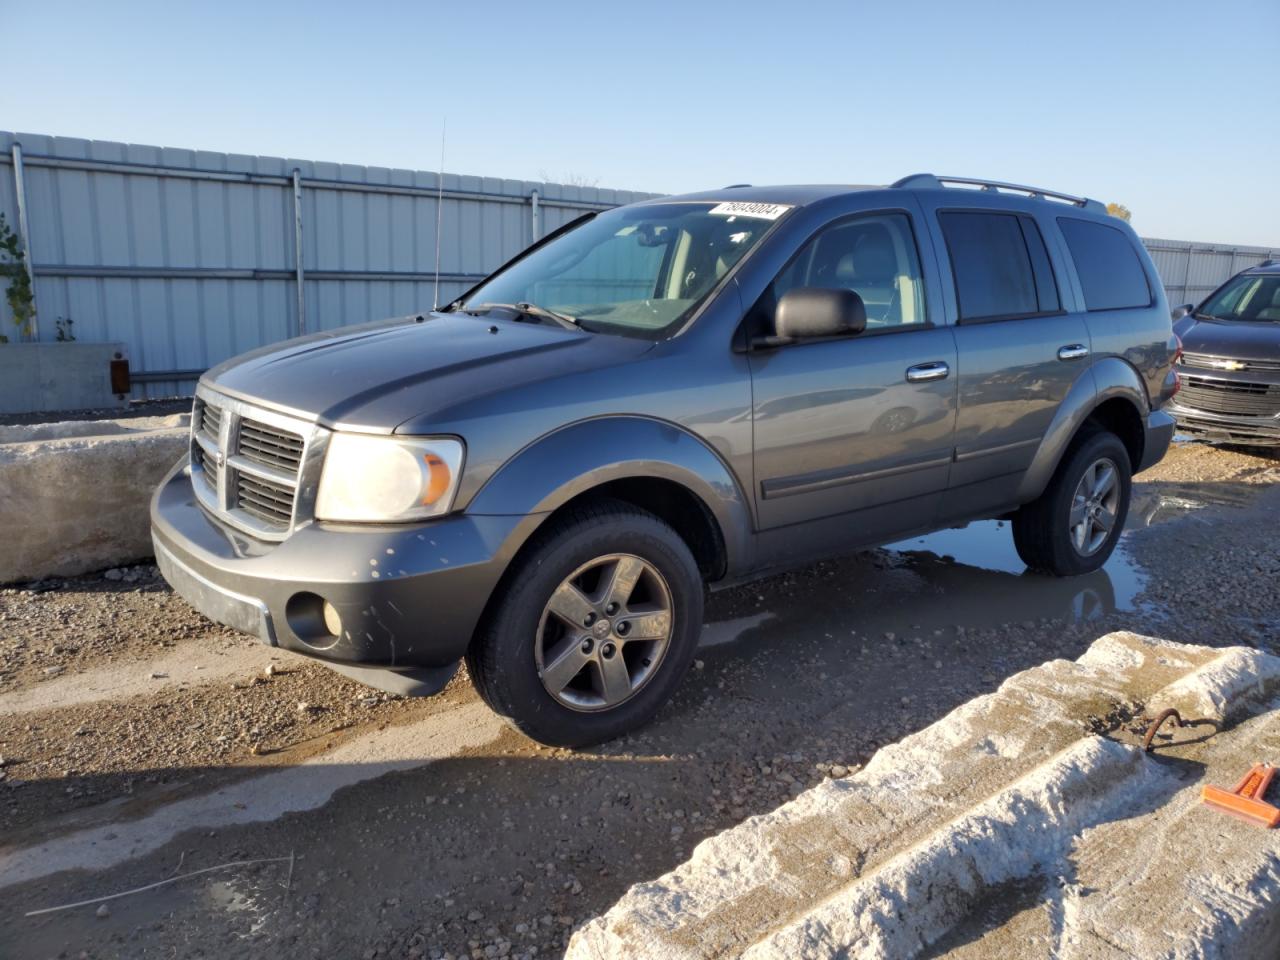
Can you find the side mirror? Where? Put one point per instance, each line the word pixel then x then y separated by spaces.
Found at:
pixel 1177 313
pixel 818 312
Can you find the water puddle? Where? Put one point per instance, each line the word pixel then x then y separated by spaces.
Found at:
pixel 969 577
pixel 988 546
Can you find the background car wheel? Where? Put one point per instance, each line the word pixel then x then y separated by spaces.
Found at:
pixel 593 627
pixel 1075 524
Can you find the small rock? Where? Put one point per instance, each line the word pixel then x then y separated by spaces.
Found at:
pixel 103 910
pixel 270 670
pixel 157 675
pixel 113 574
pixel 698 665
pixel 53 671
pixel 839 770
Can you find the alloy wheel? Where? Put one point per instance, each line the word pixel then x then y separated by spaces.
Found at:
pixel 1095 506
pixel 604 632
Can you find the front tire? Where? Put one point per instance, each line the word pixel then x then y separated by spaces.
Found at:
pixel 1075 524
pixel 594 628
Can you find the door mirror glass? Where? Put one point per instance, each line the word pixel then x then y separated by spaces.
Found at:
pixel 819 312
pixel 1177 313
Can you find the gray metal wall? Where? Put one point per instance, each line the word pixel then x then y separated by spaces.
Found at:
pixel 190 257
pixel 1191 271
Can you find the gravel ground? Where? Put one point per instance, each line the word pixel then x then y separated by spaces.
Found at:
pixel 501 849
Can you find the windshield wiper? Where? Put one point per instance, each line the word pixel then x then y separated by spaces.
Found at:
pixel 530 310
pixel 1208 316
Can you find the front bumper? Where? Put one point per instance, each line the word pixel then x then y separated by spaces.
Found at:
pixel 1218 428
pixel 409 596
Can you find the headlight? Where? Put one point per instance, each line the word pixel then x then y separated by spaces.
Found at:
pixel 380 479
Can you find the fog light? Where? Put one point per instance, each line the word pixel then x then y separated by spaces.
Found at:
pixel 332 622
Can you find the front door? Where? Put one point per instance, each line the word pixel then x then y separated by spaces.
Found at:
pixel 858 427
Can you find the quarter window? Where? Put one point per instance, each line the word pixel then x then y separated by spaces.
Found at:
pixel 873 255
pixel 1109 269
pixel 1000 265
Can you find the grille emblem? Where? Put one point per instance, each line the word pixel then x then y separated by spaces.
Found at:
pixel 1228 365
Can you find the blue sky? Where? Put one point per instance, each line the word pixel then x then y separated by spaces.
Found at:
pixel 1167 107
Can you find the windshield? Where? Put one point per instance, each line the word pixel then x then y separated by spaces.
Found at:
pixel 1245 298
pixel 639 271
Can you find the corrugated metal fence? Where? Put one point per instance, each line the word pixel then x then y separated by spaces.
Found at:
pixel 190 257
pixel 1191 271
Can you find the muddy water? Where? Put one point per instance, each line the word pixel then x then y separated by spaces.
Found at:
pixel 968 577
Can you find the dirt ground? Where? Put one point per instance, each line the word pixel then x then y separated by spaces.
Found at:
pixel 139 742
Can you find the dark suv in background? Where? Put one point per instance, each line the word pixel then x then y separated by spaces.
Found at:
pixel 1230 363
pixel 542 476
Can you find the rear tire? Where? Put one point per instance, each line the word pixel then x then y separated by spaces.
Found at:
pixel 594 627
pixel 1075 524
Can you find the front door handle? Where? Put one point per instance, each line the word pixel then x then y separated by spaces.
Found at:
pixel 1073 351
pixel 924 372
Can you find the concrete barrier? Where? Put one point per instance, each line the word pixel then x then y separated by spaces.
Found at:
pixel 74 495
pixel 1028 822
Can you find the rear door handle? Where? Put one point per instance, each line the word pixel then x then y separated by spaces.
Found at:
pixel 1073 351
pixel 924 372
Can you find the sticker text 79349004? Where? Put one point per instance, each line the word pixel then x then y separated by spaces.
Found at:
pixel 741 208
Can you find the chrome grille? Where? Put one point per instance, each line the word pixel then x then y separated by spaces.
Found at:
pixel 1230 397
pixel 1204 361
pixel 247 464
pixel 201 469
pixel 270 502
pixel 210 420
pixel 267 445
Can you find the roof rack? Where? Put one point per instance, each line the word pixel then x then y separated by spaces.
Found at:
pixel 919 181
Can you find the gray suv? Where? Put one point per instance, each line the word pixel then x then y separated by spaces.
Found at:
pixel 542 477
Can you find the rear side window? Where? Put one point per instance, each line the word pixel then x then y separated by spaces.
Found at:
pixel 1109 269
pixel 1000 265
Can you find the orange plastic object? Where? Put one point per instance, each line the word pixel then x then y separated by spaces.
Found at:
pixel 1246 799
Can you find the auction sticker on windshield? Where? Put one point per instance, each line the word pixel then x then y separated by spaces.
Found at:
pixel 761 211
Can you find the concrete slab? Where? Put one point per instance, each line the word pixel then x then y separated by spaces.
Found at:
pixel 74 496
pixel 1028 822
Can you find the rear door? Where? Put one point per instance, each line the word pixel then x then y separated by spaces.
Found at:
pixel 861 425
pixel 1020 348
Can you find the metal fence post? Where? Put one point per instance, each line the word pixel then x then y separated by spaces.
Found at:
pixel 297 250
pixel 1186 275
pixel 535 216
pixel 20 189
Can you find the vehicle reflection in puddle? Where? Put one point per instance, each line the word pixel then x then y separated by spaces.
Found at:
pixel 987 546
pixel 969 578
pixel 966 578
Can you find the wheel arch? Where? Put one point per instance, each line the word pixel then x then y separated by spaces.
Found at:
pixel 1111 394
pixel 653 464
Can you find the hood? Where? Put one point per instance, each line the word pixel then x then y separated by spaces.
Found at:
pixel 375 376
pixel 1233 339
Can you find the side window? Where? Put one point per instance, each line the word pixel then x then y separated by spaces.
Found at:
pixel 873 255
pixel 1109 269
pixel 1000 265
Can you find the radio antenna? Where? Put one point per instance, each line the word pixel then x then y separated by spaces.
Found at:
pixel 435 297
